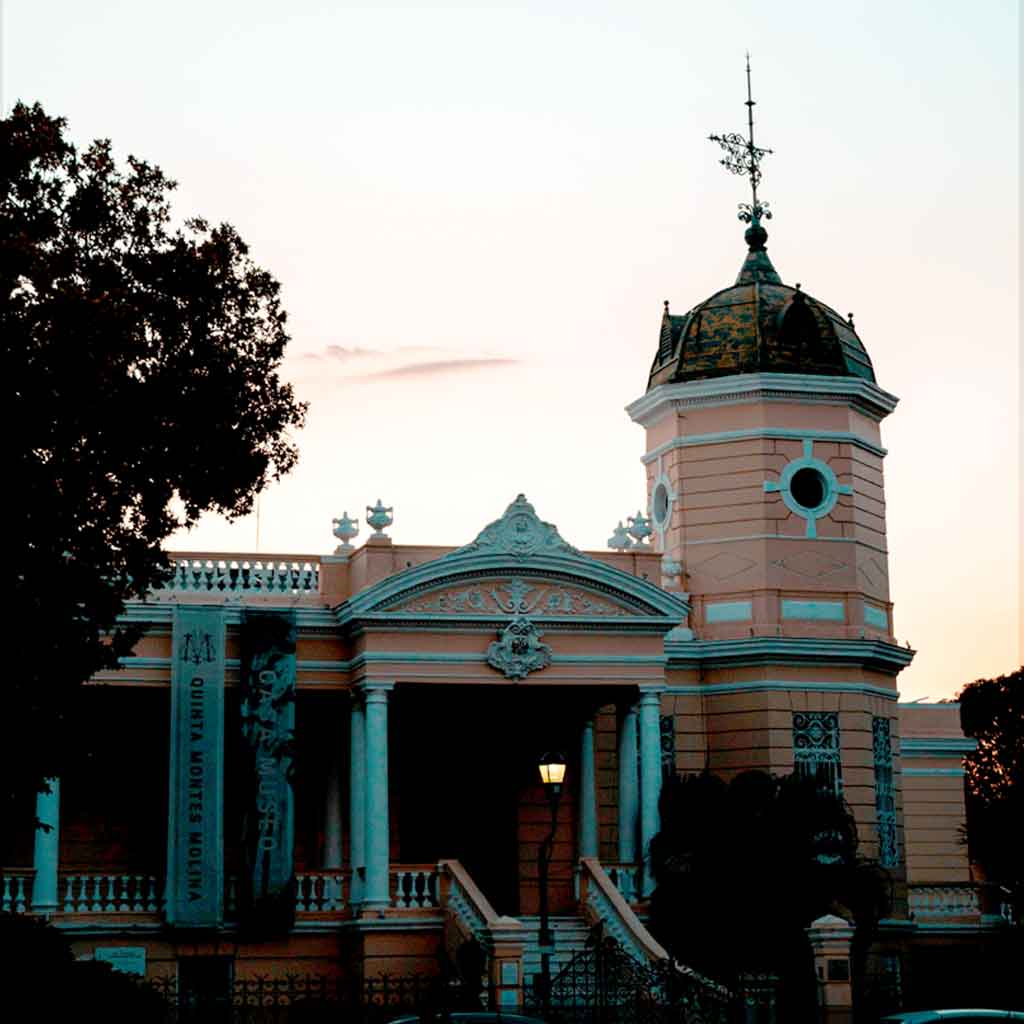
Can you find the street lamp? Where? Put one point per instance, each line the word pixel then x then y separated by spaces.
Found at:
pixel 552 774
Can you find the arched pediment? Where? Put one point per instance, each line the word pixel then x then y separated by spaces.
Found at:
pixel 517 566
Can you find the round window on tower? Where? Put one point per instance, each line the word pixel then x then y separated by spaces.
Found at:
pixel 808 488
pixel 660 505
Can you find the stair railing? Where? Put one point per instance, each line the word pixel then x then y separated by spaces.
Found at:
pixel 602 903
pixel 469 915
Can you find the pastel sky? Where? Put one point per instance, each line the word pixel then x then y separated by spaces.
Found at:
pixel 476 212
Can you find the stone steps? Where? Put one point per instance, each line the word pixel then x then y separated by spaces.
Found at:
pixel 570 937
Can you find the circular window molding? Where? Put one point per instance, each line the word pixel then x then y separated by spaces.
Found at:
pixel 809 488
pixel 662 502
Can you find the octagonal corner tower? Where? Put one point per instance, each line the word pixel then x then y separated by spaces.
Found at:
pixel 764 463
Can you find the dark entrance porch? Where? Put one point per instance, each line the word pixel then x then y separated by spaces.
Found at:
pixel 466 785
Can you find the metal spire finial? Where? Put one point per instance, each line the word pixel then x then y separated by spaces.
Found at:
pixel 744 158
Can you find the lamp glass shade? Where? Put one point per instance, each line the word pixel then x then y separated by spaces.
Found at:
pixel 552 769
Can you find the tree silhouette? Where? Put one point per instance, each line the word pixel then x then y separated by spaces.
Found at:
pixel 742 868
pixel 143 390
pixel 992 712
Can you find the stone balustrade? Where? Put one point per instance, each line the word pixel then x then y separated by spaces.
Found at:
pixel 243 574
pixel 109 894
pixel 625 878
pixel 319 892
pixel 960 899
pixel 414 886
pixel 16 890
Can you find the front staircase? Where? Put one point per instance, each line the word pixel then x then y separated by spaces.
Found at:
pixel 570 937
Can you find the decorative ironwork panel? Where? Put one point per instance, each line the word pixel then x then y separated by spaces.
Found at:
pixel 816 750
pixel 603 984
pixel 667 725
pixel 885 792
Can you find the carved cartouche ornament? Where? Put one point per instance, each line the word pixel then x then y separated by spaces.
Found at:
pixel 518 651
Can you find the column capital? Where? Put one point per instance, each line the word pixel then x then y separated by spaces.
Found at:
pixel 651 693
pixel 374 691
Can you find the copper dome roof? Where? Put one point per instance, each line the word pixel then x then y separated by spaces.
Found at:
pixel 758 325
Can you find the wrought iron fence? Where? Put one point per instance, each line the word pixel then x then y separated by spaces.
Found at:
pixel 312 999
pixel 603 984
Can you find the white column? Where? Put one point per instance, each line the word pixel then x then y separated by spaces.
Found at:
pixel 376 892
pixel 588 792
pixel 332 813
pixel 629 787
pixel 357 798
pixel 46 851
pixel 650 776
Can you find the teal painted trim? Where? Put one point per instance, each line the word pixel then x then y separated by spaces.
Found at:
pixel 423 658
pixel 576 569
pixel 752 387
pixel 938 746
pixel 161 614
pixel 961 926
pixel 950 772
pixel 763 434
pixel 788 536
pixel 822 611
pixel 875 616
pixel 442 622
pixel 831 487
pixel 779 686
pixel 729 611
pixel 787 650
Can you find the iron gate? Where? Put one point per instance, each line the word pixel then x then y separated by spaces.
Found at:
pixel 603 984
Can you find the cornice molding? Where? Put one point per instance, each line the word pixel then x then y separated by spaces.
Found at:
pixel 777 686
pixel 937 746
pixel 875 654
pixel 861 394
pixel 308 620
pixel 764 433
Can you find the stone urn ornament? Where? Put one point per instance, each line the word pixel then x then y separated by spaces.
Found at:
pixel 380 518
pixel 345 529
pixel 639 527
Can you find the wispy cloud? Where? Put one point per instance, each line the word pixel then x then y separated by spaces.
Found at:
pixel 364 363
pixel 444 366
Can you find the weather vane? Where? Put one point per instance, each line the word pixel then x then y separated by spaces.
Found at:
pixel 743 157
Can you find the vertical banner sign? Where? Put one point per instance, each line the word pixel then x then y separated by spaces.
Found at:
pixel 195 836
pixel 268 728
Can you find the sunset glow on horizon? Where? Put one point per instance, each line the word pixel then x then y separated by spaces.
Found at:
pixel 476 213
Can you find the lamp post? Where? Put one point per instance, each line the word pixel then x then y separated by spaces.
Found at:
pixel 552 774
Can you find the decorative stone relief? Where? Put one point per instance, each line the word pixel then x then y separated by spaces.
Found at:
pixel 518 651
pixel 723 566
pixel 520 533
pixel 810 564
pixel 512 597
